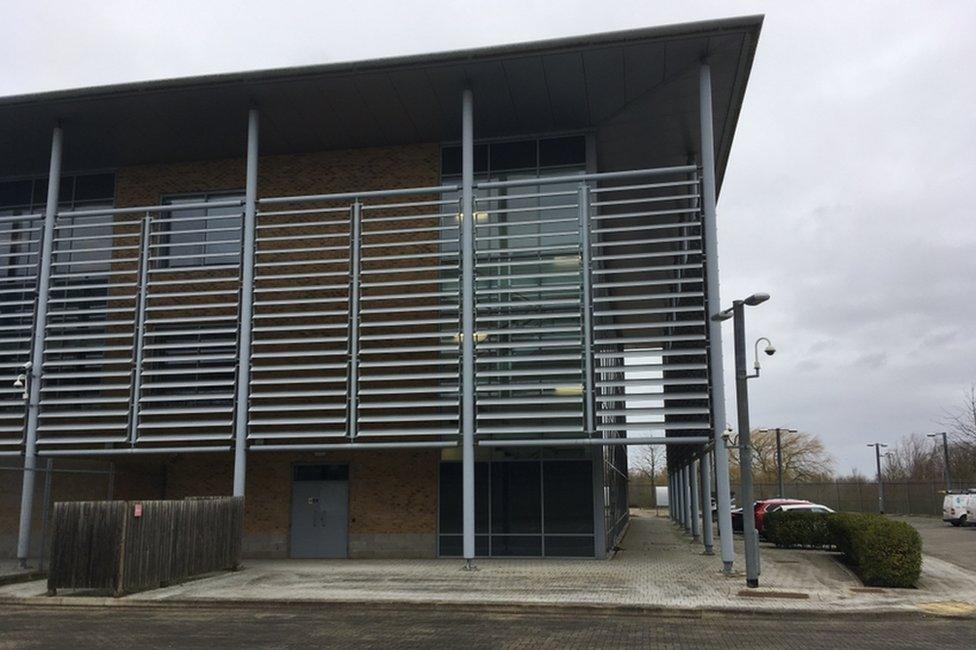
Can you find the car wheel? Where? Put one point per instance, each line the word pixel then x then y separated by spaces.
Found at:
pixel 958 522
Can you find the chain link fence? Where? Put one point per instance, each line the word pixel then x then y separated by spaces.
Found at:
pixel 900 497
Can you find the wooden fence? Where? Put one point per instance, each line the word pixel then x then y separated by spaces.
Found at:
pixel 129 546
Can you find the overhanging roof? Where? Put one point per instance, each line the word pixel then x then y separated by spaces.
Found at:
pixel 636 89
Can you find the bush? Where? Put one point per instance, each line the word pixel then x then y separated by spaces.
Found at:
pixel 883 553
pixel 798 529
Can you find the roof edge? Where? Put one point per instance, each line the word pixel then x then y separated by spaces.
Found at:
pixel 751 23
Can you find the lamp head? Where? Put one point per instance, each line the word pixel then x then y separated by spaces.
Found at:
pixel 722 315
pixel 770 350
pixel 756 299
pixel 19 382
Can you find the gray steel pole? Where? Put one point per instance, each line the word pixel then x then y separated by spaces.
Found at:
pixel 247 305
pixel 37 348
pixel 706 500
pixel 354 265
pixel 745 446
pixel 723 489
pixel 467 324
pixel 945 453
pixel 877 458
pixel 45 509
pixel 695 502
pixel 779 463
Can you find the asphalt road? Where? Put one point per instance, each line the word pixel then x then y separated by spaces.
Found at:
pixel 949 543
pixel 365 627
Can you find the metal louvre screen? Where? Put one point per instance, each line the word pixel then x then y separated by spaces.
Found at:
pixel 89 341
pixel 528 327
pixel 649 312
pixel 189 319
pixel 19 245
pixel 300 356
pixel 589 317
pixel 409 318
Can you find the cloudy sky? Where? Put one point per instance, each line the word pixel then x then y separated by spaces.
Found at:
pixel 848 196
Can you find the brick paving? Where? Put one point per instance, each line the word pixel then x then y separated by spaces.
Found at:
pixel 658 567
pixel 354 627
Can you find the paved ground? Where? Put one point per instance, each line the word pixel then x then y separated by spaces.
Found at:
pixel 348 627
pixel 658 568
pixel 946 542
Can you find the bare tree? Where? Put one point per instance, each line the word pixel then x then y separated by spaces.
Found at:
pixel 913 458
pixel 649 464
pixel 804 457
pixel 961 420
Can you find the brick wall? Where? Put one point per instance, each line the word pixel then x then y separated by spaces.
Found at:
pixel 392 496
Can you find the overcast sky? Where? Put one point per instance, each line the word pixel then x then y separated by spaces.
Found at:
pixel 848 195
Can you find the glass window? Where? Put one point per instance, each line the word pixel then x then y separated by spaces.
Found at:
pixel 202 236
pixel 568 489
pixel 516 499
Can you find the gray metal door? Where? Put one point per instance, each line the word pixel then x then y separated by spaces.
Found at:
pixel 319 518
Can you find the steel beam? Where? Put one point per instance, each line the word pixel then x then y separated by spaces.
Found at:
pixel 589 442
pixel 246 306
pixel 467 324
pixel 37 350
pixel 686 497
pixel 716 385
pixel 705 467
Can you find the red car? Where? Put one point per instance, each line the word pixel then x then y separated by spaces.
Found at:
pixel 760 509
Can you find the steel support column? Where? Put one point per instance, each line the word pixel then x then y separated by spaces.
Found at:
pixel 140 331
pixel 37 347
pixel 717 384
pixel 589 405
pixel 695 501
pixel 354 265
pixel 467 324
pixel 705 467
pixel 246 306
pixel 686 498
pixel 672 506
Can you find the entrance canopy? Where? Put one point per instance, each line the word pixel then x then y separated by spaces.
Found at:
pixel 637 90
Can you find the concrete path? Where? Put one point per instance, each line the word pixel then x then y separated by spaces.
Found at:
pixel 658 567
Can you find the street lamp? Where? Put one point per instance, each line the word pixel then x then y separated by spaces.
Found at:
pixel 779 455
pixel 737 313
pixel 945 456
pixel 877 456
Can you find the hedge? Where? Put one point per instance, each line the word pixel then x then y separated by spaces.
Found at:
pixel 798 529
pixel 883 553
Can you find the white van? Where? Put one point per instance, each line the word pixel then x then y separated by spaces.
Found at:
pixel 955 508
pixel 971 508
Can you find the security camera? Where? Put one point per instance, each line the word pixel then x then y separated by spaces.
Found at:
pixel 27 365
pixel 770 350
pixel 19 382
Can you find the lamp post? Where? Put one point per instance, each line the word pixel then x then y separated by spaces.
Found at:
pixel 737 314
pixel 779 457
pixel 945 456
pixel 877 456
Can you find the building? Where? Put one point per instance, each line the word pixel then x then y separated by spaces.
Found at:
pixel 411 307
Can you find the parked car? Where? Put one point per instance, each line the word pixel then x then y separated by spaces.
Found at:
pixel 956 508
pixel 760 508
